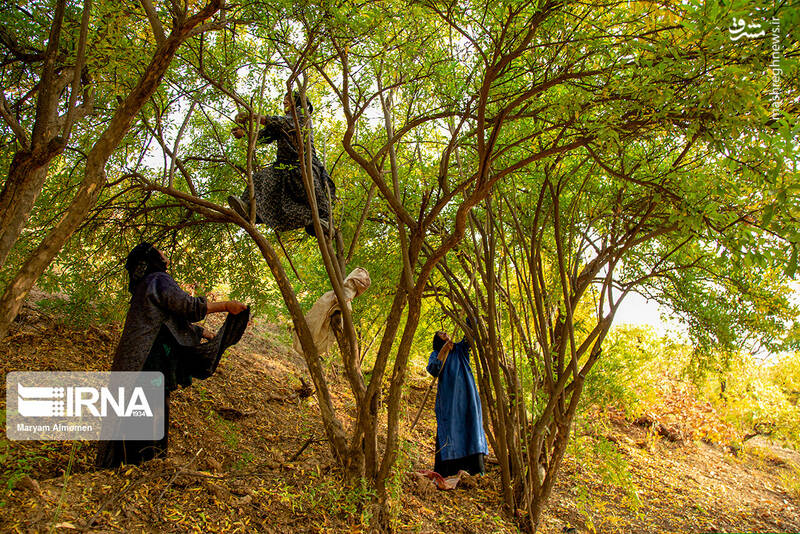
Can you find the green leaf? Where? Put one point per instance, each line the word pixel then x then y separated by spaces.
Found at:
pixel 766 217
pixel 792 267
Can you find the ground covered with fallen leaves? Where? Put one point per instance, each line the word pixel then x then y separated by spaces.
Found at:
pixel 247 454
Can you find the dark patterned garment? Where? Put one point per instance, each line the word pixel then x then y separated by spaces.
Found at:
pixel 159 336
pixel 157 301
pixel 281 201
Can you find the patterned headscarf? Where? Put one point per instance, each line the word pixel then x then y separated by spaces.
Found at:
pixel 143 260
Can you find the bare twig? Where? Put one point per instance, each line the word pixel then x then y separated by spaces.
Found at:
pixel 175 475
pixel 308 442
pixel 80 61
pixel 16 127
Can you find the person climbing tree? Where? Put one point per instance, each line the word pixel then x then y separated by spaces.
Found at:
pixel 281 200
pixel 460 439
pixel 158 336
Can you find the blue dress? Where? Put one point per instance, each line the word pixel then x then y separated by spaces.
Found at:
pixel 459 418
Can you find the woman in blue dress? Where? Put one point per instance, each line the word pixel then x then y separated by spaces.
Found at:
pixel 460 439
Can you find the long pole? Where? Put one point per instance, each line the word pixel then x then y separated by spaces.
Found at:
pixel 428 392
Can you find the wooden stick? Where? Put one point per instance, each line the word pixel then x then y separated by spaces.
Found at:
pixel 428 392
pixel 308 442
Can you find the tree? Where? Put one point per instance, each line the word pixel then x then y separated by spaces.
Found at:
pixel 535 163
pixel 29 167
pixel 52 126
pixel 666 194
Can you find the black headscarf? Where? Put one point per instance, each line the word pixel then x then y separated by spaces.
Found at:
pixel 268 135
pixel 298 103
pixel 143 260
pixel 438 342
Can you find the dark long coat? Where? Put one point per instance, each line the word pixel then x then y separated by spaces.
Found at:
pixel 159 336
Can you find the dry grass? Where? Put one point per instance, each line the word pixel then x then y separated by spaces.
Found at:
pixel 790 481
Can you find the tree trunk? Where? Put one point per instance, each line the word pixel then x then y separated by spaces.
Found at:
pixel 366 423
pixel 539 498
pixel 25 180
pixel 396 392
pixel 28 169
pixel 333 428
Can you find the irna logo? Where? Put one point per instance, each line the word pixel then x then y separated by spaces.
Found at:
pixel 37 401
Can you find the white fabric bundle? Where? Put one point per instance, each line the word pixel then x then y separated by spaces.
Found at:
pixel 319 317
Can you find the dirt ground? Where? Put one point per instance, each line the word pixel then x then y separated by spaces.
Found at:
pixel 247 454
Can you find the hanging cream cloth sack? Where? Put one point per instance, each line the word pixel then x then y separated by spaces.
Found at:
pixel 319 317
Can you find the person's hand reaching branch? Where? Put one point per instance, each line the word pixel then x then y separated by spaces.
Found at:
pixel 448 346
pixel 231 306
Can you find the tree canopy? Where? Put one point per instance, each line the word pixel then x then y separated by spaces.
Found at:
pixel 526 165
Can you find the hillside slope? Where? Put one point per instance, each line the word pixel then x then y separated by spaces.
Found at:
pixel 247 454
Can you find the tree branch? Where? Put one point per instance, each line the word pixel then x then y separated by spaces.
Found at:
pixel 155 23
